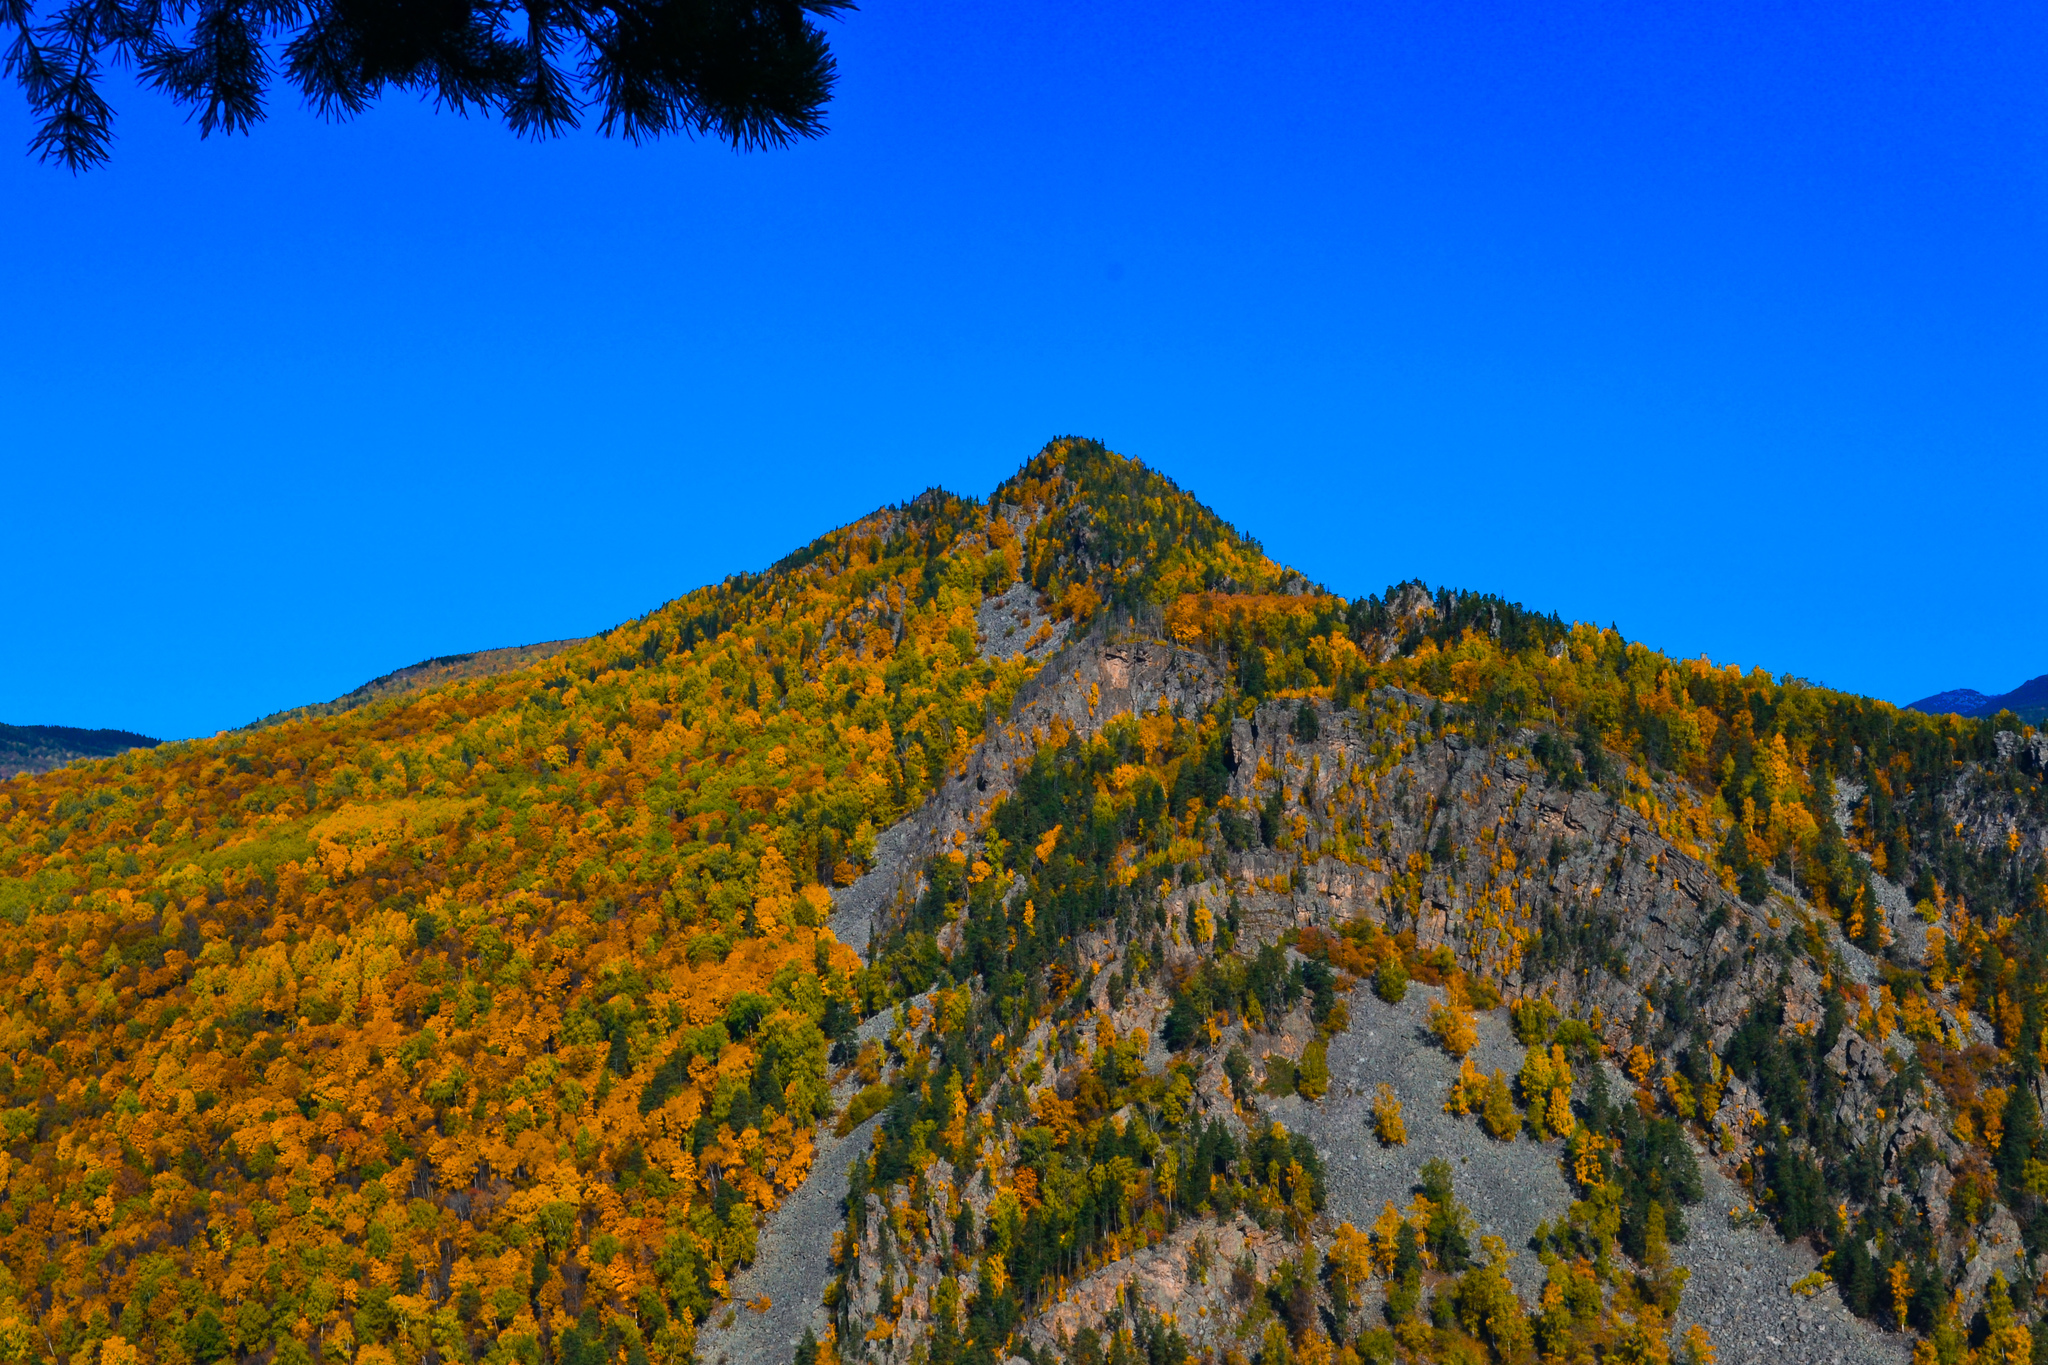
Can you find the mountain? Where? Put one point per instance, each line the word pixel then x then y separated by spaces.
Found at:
pixel 40 748
pixel 420 676
pixel 2028 701
pixel 1037 928
pixel 1962 701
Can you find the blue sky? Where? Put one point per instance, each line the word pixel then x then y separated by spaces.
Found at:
pixel 1721 322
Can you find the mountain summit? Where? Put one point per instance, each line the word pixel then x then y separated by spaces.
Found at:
pixel 1036 928
pixel 1963 701
pixel 2028 701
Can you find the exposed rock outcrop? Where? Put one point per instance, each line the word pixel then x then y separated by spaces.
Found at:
pixel 1613 910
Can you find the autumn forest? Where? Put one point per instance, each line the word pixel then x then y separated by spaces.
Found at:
pixel 489 1022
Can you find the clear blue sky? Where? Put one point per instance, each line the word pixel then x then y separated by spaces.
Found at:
pixel 1725 322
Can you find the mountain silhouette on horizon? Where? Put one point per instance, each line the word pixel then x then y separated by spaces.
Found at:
pixel 2029 701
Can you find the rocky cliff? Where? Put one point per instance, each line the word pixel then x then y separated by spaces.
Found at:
pixel 1493 879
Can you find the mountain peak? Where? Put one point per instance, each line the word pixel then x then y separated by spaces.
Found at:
pixel 2029 701
pixel 1961 701
pixel 820 931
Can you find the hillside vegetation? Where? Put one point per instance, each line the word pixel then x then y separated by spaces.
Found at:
pixel 1449 791
pixel 488 1022
pixel 40 748
pixel 421 676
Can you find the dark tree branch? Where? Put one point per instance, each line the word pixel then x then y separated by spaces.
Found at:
pixel 752 73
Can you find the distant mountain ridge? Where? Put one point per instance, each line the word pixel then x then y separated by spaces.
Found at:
pixel 2028 701
pixel 42 748
pixel 418 677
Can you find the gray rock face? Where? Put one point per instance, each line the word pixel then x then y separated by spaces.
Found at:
pixel 1646 895
pixel 854 907
pixel 1740 1290
pixel 1463 846
pixel 1510 1187
pixel 1981 804
pixel 793 1260
pixel 792 1264
pixel 1169 1278
pixel 1739 1274
pixel 1009 625
pixel 1082 688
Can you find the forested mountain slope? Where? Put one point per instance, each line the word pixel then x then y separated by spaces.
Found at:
pixel 1412 831
pixel 418 677
pixel 489 1022
pixel 40 748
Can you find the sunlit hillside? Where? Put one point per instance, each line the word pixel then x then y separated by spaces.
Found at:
pixel 489 1021
pixel 397 1015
